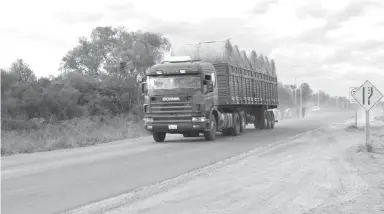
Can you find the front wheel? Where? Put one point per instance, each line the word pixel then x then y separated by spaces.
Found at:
pixel 211 134
pixel 159 136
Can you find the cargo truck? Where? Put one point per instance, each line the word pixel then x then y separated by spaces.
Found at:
pixel 188 96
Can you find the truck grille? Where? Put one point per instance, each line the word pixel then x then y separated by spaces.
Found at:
pixel 171 112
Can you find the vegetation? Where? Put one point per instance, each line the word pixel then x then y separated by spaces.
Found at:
pixel 93 100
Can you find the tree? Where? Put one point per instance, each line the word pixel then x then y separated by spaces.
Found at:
pixel 115 51
pixel 320 97
pixel 285 95
pixel 307 93
pixel 20 72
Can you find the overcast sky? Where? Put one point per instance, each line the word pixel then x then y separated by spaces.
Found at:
pixel 331 44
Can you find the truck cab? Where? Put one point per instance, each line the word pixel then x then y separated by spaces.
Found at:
pixel 179 95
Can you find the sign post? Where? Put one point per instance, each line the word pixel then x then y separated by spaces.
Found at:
pixel 367 95
pixel 352 90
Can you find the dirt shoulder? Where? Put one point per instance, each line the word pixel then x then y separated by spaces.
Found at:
pixel 322 171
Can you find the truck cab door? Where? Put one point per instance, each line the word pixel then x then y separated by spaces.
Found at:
pixel 209 90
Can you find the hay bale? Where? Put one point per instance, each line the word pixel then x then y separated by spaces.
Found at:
pixel 245 60
pixel 267 66
pixel 239 59
pixel 252 57
pixel 214 52
pixel 185 50
pixel 225 52
pixel 273 67
pixel 261 64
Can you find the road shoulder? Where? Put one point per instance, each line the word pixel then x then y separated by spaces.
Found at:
pixel 315 172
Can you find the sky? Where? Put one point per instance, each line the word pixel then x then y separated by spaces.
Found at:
pixel 331 44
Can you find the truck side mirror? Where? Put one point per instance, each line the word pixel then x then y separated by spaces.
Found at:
pixel 142 87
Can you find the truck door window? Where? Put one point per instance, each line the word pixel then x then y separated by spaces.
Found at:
pixel 206 77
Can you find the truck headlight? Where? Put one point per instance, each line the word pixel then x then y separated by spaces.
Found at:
pixel 148 120
pixel 198 119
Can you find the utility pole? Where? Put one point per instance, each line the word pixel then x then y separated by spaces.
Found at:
pixel 297 115
pixel 337 102
pixel 301 101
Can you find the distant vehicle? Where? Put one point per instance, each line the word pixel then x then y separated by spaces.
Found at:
pixel 191 96
pixel 315 108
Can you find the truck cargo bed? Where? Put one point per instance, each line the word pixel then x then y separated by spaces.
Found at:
pixel 239 86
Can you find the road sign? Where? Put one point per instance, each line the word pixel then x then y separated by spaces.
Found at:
pixel 367 95
pixel 352 90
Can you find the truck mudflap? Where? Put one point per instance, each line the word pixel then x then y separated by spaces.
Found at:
pixel 176 128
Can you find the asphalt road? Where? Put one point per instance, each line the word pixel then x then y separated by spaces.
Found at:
pixel 53 182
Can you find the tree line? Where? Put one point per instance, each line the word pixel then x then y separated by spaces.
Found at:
pixel 97 77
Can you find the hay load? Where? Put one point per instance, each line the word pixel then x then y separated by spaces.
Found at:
pixel 261 64
pixel 267 66
pixel 245 60
pixel 185 50
pixel 239 59
pixel 252 58
pixel 273 67
pixel 214 52
pixel 225 52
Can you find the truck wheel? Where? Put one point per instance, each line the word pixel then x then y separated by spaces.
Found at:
pixel 211 134
pixel 235 131
pixel 225 132
pixel 256 124
pixel 261 120
pixel 269 120
pixel 159 136
pixel 272 120
pixel 243 124
pixel 264 120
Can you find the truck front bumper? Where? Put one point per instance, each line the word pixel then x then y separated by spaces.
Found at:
pixel 176 128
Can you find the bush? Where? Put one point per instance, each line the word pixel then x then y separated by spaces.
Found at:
pixel 72 133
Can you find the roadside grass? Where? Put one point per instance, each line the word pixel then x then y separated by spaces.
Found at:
pixel 377 139
pixel 79 132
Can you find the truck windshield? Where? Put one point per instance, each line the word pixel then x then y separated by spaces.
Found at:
pixel 172 82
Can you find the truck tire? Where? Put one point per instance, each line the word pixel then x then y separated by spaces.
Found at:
pixel 272 120
pixel 235 130
pixel 261 120
pixel 159 136
pixel 211 134
pixel 256 124
pixel 243 124
pixel 269 120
